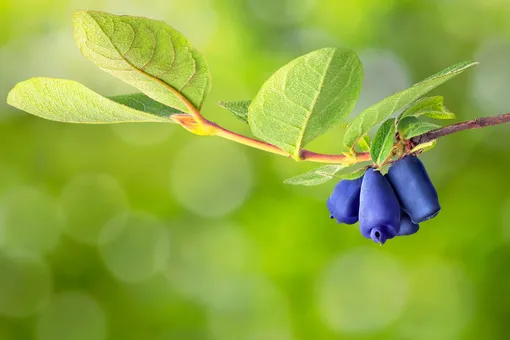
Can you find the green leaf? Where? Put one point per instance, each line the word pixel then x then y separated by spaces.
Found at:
pixel 383 142
pixel 424 147
pixel 364 143
pixel 441 115
pixel 324 174
pixel 388 106
pixel 68 101
pixel 432 107
pixel 316 176
pixel 147 54
pixel 410 127
pixel 239 109
pixel 352 175
pixel 306 98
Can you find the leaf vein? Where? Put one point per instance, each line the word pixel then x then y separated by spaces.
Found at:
pixel 192 75
pixel 132 40
pixel 299 140
pixel 153 51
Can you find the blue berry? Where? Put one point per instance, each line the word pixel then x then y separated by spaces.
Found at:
pixel 407 227
pixel 379 212
pixel 343 204
pixel 414 190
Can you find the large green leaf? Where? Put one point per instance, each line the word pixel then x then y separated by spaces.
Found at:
pixel 71 102
pixel 383 142
pixel 147 54
pixel 306 97
pixel 410 127
pixel 239 109
pixel 388 106
pixel 432 107
pixel 324 174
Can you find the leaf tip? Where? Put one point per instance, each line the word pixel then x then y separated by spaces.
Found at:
pixel 78 14
pixel 12 96
pixel 78 23
pixel 471 63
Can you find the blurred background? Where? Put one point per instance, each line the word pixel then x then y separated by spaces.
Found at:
pixel 148 232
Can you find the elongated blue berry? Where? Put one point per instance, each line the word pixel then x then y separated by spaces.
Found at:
pixel 414 190
pixel 407 227
pixel 343 204
pixel 379 210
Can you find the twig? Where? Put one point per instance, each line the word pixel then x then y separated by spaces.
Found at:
pixel 198 124
pixel 467 125
pixel 334 159
pixel 305 155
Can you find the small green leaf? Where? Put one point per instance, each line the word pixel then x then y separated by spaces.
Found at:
pixel 441 115
pixel 424 147
pixel 324 174
pixel 364 143
pixel 306 98
pixel 383 142
pixel 388 106
pixel 316 176
pixel 68 101
pixel 147 54
pixel 431 107
pixel 239 109
pixel 410 127
pixel 352 175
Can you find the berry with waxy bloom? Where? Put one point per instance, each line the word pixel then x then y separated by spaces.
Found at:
pixel 415 192
pixel 407 227
pixel 343 204
pixel 379 211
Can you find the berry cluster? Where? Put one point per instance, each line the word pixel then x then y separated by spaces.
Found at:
pixel 386 205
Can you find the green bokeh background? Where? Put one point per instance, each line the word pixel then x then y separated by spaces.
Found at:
pixel 148 232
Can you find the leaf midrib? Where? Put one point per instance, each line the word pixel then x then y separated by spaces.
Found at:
pixel 383 144
pixel 307 119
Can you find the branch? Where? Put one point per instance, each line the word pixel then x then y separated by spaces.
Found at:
pixel 311 156
pixel 305 155
pixel 199 125
pixel 257 144
pixel 468 125
pixel 196 123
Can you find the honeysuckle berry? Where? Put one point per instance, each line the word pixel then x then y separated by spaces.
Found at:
pixel 379 210
pixel 343 204
pixel 415 192
pixel 407 227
